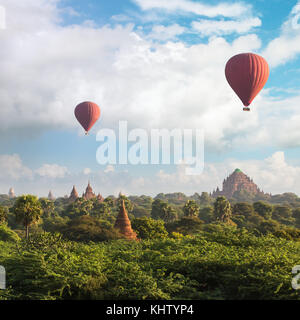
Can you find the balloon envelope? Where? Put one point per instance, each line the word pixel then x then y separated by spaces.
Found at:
pixel 247 73
pixel 87 113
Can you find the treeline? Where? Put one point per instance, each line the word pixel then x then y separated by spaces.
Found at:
pixel 92 220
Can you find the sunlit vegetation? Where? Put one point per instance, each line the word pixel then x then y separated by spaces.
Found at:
pixel 189 248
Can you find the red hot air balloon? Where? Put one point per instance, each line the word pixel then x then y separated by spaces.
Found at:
pixel 247 73
pixel 87 113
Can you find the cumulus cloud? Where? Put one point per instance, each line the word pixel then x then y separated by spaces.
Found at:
pixel 12 167
pixel 287 45
pixel 222 9
pixel 129 76
pixel 47 68
pixel 52 171
pixel 221 27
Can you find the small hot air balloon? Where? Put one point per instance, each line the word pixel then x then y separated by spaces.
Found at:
pixel 87 113
pixel 247 73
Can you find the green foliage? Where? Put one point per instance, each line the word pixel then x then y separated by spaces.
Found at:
pixel 296 215
pixel 47 206
pixel 206 214
pixel 246 254
pixel 80 207
pixel 148 228
pixel 191 209
pixel 3 214
pixel 263 209
pixel 243 208
pixel 222 209
pixel 220 263
pixel 54 224
pixel 86 228
pixel 6 234
pixel 205 200
pixel 162 210
pixel 283 214
pixel 27 210
pixel 185 226
pixel 101 209
pixel 142 206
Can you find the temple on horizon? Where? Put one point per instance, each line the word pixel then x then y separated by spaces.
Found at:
pixel 87 195
pixel 237 181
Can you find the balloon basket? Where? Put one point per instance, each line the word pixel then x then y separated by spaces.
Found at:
pixel 246 109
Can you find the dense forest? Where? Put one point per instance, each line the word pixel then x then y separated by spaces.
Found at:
pixel 190 247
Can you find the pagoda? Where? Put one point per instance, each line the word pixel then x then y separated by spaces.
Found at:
pixel 51 196
pixel 123 224
pixel 237 181
pixel 89 194
pixel 11 193
pixel 74 194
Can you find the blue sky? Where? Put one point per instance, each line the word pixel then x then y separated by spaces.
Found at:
pixel 156 64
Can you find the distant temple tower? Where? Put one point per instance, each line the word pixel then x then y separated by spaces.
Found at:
pixel 100 198
pixel 74 194
pixel 123 224
pixel 51 196
pixel 11 193
pixel 89 194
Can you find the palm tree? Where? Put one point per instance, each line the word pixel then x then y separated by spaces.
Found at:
pixel 191 209
pixel 28 211
pixel 222 209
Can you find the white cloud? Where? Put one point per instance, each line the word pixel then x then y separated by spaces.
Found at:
pixel 12 167
pixel 219 27
pixel 166 85
pixel 222 9
pixel 128 76
pixel 163 33
pixel 52 171
pixel 287 45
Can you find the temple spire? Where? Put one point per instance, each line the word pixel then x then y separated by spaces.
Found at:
pixel 74 194
pixel 51 196
pixel 89 194
pixel 11 193
pixel 123 224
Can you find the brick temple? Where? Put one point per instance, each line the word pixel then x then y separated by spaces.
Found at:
pixel 123 224
pixel 237 181
pixel 87 195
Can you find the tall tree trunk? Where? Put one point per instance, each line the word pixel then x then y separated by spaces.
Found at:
pixel 27 232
